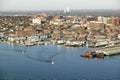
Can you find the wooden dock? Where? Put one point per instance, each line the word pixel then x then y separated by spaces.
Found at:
pixel 111 50
pixel 102 52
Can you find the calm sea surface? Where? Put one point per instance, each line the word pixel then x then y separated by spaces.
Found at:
pixel 52 62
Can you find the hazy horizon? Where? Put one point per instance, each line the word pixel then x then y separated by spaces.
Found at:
pixel 18 5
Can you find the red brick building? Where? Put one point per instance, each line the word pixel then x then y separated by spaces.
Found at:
pixel 26 31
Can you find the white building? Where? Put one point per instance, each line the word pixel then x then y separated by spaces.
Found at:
pixel 118 36
pixel 105 20
pixel 36 20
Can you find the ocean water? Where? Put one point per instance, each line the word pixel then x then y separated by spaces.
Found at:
pixel 53 62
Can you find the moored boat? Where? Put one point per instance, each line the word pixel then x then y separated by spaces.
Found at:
pixel 93 54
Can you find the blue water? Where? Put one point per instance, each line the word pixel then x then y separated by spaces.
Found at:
pixel 35 63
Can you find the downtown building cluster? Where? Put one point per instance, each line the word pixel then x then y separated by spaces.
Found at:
pixel 60 29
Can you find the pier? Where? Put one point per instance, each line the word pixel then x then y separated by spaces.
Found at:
pixel 109 51
pixel 103 52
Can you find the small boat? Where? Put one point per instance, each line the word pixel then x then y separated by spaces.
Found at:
pixel 93 54
pixel 100 55
pixel 88 55
pixel 60 42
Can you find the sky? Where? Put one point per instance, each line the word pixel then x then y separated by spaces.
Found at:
pixel 58 4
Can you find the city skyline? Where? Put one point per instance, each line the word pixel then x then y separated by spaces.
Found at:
pixel 58 4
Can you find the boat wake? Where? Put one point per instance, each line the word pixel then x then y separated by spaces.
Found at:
pixel 46 59
pixel 41 54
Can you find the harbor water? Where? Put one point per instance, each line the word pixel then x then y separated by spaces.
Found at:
pixel 53 62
